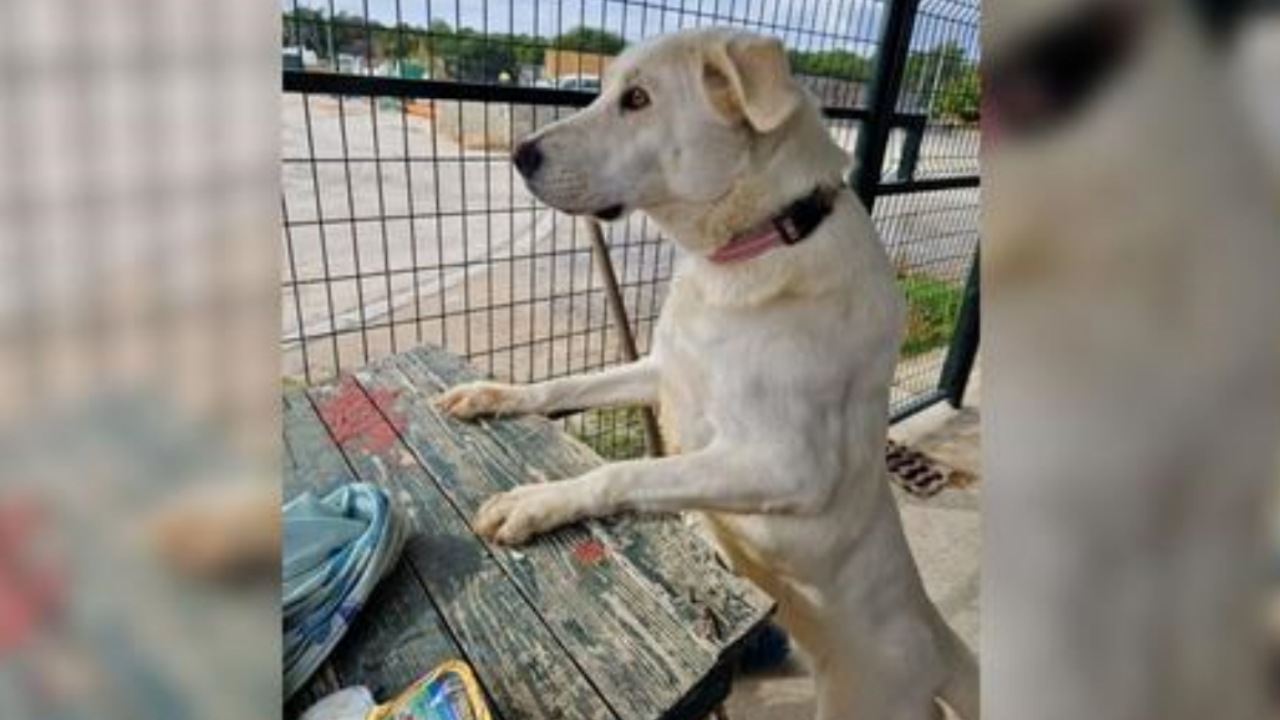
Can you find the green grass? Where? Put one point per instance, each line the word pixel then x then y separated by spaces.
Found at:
pixel 932 308
pixel 614 433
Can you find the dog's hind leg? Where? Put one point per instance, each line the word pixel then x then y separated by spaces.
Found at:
pixel 961 690
pixel 835 695
pixel 838 699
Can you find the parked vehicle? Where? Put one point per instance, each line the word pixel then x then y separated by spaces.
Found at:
pixel 296 57
pixel 581 83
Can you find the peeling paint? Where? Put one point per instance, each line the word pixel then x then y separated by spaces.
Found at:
pixel 590 551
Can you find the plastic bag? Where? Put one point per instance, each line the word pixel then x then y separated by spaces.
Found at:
pixel 353 703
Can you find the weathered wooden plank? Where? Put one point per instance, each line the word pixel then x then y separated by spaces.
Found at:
pixel 396 639
pixel 660 550
pixel 703 699
pixel 527 674
pixel 288 464
pixel 317 464
pixel 311 462
pixel 640 653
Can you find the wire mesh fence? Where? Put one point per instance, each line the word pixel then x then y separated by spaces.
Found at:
pixel 404 221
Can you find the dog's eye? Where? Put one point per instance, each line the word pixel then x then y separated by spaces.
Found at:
pixel 635 98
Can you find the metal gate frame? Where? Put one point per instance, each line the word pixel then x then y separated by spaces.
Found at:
pixel 868 182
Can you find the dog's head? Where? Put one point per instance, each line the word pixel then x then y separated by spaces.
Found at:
pixel 675 122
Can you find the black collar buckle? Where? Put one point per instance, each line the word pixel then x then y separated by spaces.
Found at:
pixel 787 230
pixel 804 216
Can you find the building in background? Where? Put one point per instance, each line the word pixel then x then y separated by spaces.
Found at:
pixel 563 64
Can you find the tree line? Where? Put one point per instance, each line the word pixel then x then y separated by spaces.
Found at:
pixel 944 78
pixel 459 53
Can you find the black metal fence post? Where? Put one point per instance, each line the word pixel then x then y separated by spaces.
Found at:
pixel 891 61
pixel 963 351
pixel 867 181
pixel 910 160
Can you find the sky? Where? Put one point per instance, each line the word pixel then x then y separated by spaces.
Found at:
pixel 839 24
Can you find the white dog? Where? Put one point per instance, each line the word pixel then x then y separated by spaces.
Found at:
pixel 771 362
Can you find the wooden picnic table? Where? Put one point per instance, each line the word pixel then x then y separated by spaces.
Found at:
pixel 627 618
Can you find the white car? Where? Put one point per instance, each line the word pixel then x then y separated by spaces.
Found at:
pixel 581 83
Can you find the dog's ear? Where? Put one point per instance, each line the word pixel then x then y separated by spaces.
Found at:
pixel 747 76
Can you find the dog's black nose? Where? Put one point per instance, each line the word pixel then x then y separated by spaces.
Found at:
pixel 527 157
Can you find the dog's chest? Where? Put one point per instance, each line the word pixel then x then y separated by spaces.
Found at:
pixel 719 364
pixel 696 345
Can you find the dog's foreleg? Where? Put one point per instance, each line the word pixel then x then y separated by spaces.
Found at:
pixel 631 384
pixel 719 478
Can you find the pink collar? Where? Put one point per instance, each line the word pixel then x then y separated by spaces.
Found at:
pixel 789 227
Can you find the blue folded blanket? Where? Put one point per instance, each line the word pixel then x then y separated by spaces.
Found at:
pixel 336 549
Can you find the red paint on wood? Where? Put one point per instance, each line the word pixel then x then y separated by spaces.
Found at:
pixel 388 402
pixel 590 552
pixel 352 418
pixel 32 576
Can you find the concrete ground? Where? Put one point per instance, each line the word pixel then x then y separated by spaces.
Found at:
pixel 945 533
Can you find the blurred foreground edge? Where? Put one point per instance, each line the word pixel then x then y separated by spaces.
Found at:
pixel 1132 281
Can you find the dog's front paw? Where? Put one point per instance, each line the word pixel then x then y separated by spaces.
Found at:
pixel 512 517
pixel 472 400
